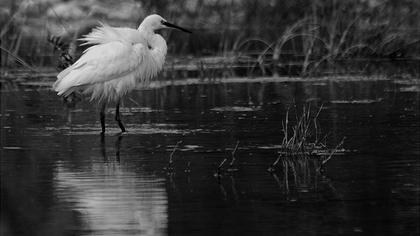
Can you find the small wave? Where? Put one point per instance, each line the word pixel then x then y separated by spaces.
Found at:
pixel 235 109
pixel 361 101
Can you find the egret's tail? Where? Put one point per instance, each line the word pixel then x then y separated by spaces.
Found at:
pixel 66 82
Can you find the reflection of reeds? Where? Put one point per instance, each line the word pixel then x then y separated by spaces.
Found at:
pixel 304 176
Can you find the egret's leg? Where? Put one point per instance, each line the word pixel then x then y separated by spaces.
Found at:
pixel 103 148
pixel 102 116
pixel 118 118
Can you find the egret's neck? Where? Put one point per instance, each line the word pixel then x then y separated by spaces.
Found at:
pixel 154 40
pixel 146 29
pixel 147 33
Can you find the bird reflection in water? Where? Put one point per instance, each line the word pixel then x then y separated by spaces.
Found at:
pixel 70 104
pixel 115 199
pixel 117 147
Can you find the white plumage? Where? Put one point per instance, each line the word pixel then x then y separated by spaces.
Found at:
pixel 118 60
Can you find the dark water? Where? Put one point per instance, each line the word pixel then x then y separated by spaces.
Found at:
pixel 58 177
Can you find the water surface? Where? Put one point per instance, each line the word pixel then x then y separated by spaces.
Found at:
pixel 60 177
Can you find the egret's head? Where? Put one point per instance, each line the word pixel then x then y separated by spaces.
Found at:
pixel 155 22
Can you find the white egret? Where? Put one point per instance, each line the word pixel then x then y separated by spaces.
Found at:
pixel 118 60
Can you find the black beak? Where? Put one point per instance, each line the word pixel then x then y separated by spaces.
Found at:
pixel 175 26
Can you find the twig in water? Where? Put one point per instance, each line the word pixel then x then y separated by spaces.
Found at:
pixel 221 164
pixel 232 162
pixel 333 152
pixel 188 169
pixel 218 173
pixel 272 168
pixel 169 168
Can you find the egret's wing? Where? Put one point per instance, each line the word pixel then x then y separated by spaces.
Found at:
pixel 106 34
pixel 101 63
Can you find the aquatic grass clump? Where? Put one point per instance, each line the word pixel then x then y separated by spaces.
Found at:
pixel 303 139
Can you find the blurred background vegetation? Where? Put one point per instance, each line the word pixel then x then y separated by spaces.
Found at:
pixel 268 34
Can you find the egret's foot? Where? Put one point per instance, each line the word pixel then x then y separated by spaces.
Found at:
pixel 123 129
pixel 118 118
pixel 122 133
